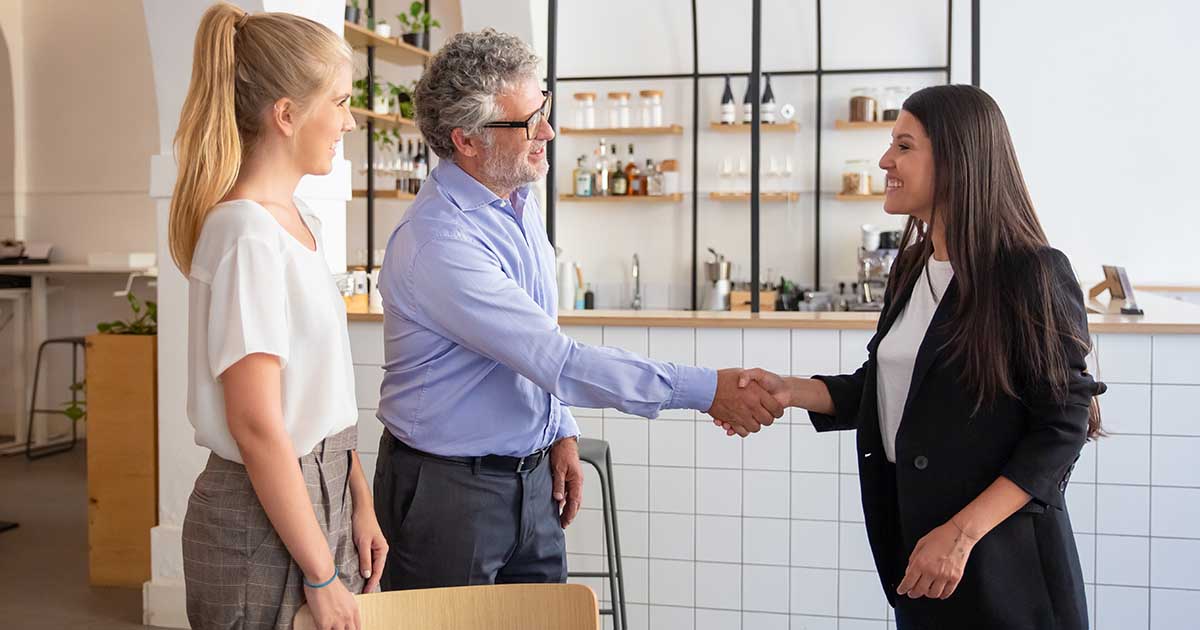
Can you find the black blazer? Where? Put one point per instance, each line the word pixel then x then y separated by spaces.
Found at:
pixel 1024 573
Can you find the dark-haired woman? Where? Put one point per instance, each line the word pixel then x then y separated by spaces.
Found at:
pixel 974 402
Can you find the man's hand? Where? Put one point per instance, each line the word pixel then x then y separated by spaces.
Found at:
pixel 774 384
pixel 568 478
pixel 745 410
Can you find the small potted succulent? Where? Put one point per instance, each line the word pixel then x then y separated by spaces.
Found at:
pixel 382 28
pixel 416 24
pixel 353 12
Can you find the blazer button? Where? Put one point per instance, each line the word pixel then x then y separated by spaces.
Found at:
pixel 920 462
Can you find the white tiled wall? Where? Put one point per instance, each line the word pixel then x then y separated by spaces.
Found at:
pixel 724 533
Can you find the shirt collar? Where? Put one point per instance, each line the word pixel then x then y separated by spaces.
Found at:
pixel 467 192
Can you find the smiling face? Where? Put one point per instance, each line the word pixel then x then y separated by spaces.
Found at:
pixel 910 171
pixel 327 120
pixel 509 158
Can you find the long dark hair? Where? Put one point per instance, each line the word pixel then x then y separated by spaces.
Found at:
pixel 981 200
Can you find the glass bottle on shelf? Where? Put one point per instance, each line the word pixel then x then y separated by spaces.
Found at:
pixel 582 177
pixel 585 110
pixel 893 100
pixel 618 109
pixel 748 105
pixel 652 108
pixel 863 106
pixel 728 108
pixel 633 176
pixel 767 113
pixel 420 168
pixel 654 183
pixel 620 182
pixel 600 172
pixel 725 183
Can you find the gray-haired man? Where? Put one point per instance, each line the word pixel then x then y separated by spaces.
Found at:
pixel 478 470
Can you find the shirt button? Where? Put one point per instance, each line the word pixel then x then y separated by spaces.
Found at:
pixel 920 462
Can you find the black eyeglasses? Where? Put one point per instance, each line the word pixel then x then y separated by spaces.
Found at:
pixel 530 124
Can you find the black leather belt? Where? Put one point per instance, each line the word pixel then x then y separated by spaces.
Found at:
pixel 499 463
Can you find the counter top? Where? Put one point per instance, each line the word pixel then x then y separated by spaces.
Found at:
pixel 1163 315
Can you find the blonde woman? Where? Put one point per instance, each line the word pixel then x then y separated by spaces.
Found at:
pixel 282 514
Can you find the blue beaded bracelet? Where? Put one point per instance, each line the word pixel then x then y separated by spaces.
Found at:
pixel 322 584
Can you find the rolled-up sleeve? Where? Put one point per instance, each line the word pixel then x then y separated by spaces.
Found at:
pixel 459 289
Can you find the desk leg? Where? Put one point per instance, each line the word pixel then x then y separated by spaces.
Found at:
pixel 21 369
pixel 38 327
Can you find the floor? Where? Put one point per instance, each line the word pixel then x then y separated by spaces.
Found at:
pixel 44 581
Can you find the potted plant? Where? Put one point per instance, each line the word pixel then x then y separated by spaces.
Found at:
pixel 374 100
pixel 382 28
pixel 416 24
pixel 353 12
pixel 122 454
pixel 402 101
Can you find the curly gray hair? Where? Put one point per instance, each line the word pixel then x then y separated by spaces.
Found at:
pixel 460 86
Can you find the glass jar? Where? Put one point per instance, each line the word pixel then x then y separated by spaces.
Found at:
pixel 856 177
pixel 863 106
pixel 893 100
pixel 652 108
pixel 585 110
pixel 618 109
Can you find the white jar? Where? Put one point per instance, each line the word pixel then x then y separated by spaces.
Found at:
pixel 585 110
pixel 652 108
pixel 618 110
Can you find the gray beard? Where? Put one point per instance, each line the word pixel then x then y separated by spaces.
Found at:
pixel 505 173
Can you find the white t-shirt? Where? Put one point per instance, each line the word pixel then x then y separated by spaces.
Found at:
pixel 255 288
pixel 897 351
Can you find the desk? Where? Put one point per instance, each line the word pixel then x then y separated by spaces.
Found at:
pixel 39 316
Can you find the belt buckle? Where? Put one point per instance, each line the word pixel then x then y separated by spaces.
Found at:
pixel 521 464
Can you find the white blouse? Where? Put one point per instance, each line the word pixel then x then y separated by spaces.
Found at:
pixel 897 354
pixel 254 288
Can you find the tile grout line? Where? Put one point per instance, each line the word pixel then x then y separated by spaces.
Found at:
pixel 1150 500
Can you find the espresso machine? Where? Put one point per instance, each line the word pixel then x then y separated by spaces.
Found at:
pixel 875 257
pixel 717 272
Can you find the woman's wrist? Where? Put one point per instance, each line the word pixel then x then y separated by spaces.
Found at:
pixel 319 571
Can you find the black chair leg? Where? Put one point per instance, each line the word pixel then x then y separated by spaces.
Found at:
pixel 31 452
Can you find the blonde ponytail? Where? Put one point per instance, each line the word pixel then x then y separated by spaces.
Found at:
pixel 241 64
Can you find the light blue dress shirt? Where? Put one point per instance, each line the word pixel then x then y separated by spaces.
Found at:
pixel 475 361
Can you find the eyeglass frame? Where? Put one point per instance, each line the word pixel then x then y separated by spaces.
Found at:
pixel 527 124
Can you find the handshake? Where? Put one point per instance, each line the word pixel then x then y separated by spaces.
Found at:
pixel 747 400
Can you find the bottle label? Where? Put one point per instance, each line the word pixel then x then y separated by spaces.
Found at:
pixel 619 186
pixel 583 185
pixel 728 115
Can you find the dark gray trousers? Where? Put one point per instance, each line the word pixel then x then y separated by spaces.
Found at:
pixel 449 524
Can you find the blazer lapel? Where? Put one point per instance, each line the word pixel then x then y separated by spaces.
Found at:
pixel 935 340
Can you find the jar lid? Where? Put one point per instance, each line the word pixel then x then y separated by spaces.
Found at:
pixel 585 96
pixel 618 95
pixel 650 93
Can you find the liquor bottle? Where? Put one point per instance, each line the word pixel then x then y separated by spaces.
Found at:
pixel 633 176
pixel 420 168
pixel 589 298
pixel 728 108
pixel 600 172
pixel 767 113
pixel 654 179
pixel 582 177
pixel 748 104
pixel 620 183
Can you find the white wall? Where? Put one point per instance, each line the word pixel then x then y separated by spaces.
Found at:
pixel 1096 94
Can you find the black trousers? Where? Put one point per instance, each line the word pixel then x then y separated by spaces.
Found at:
pixel 451 524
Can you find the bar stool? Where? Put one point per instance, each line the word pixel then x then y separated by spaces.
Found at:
pixel 596 453
pixel 77 344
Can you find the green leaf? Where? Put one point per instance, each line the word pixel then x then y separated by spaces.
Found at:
pixel 416 8
pixel 74 412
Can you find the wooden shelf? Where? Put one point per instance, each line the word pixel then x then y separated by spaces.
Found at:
pixel 745 196
pixel 844 197
pixel 385 194
pixel 389 49
pixel 669 130
pixel 384 121
pixel 791 126
pixel 675 198
pixel 877 124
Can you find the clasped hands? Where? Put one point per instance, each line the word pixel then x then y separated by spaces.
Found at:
pixel 747 400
